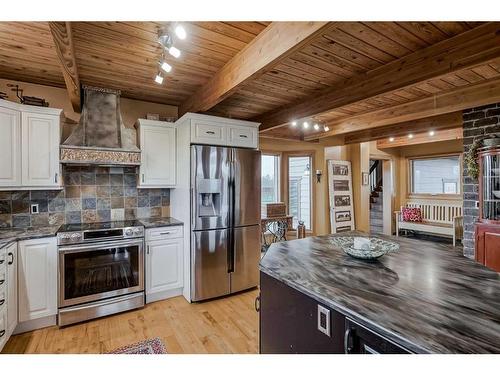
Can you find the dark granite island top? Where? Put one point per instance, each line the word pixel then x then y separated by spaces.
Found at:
pixel 160 222
pixel 426 297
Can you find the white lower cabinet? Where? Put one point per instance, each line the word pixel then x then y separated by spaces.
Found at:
pixel 164 257
pixel 37 276
pixel 12 300
pixel 8 292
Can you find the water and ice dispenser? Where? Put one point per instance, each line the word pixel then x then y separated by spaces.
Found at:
pixel 209 197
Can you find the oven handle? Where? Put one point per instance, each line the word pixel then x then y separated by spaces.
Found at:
pixel 99 246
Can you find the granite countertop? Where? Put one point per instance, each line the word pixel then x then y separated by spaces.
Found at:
pixel 426 297
pixel 160 222
pixel 8 235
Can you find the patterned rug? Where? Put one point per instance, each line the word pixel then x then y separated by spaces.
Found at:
pixel 151 346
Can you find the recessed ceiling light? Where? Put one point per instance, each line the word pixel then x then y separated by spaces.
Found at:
pixel 326 128
pixel 305 124
pixel 165 66
pixel 431 133
pixel 410 136
pixel 294 123
pixel 174 52
pixel 316 127
pixel 159 79
pixel 391 139
pixel 180 32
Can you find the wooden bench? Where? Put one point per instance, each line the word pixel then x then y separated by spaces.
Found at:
pixel 442 219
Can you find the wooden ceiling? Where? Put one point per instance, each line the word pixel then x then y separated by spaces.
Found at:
pixel 337 73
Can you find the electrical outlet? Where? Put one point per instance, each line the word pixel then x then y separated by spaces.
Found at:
pixel 476 204
pixel 34 208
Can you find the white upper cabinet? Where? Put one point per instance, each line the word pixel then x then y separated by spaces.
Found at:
pixel 220 131
pixel 10 147
pixel 158 154
pixel 40 150
pixel 29 146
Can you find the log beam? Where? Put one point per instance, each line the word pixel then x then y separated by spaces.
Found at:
pixel 274 44
pixel 478 46
pixel 421 138
pixel 63 40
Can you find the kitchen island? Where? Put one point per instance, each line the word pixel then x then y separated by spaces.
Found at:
pixel 424 298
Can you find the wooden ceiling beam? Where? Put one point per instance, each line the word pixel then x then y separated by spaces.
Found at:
pixel 483 93
pixel 63 40
pixel 421 138
pixel 469 49
pixel 274 44
pixel 441 122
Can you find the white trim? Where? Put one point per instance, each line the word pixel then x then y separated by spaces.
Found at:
pixel 30 108
pixel 222 120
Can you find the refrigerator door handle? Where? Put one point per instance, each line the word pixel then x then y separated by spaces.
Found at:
pixel 230 251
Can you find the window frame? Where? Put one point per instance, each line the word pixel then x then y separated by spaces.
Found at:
pixel 285 185
pixel 409 163
pixel 278 165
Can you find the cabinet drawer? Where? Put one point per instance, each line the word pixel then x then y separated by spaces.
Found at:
pixel 242 136
pixel 3 296
pixel 164 233
pixel 208 133
pixel 3 277
pixel 3 326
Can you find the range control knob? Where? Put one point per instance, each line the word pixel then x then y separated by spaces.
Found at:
pixel 129 232
pixel 137 231
pixel 75 236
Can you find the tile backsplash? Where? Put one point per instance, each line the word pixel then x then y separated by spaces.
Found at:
pixel 90 194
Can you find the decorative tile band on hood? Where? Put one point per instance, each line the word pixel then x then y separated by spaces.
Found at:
pixel 101 137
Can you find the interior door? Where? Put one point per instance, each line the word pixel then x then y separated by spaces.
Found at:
pixel 246 177
pixel 246 258
pixel 209 257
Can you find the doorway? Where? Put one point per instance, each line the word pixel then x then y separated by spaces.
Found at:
pixel 380 180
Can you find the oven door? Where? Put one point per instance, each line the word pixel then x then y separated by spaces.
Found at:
pixel 92 272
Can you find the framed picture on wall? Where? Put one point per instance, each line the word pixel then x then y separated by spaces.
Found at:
pixel 340 196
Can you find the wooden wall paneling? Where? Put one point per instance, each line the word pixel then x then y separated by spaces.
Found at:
pixel 473 48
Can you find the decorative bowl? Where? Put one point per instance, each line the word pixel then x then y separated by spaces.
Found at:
pixel 496 193
pixel 370 248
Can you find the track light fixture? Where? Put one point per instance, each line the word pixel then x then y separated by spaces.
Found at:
pixel 167 42
pixel 159 79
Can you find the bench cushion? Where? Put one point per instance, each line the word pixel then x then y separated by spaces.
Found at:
pixel 413 214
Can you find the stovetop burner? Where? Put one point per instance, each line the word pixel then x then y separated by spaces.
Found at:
pixel 69 234
pixel 79 227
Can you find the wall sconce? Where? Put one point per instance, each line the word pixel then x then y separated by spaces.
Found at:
pixel 318 175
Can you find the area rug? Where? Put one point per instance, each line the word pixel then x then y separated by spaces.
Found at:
pixel 151 346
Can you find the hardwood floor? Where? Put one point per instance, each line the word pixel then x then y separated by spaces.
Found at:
pixel 225 325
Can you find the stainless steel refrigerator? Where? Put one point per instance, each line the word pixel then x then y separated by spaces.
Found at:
pixel 225 220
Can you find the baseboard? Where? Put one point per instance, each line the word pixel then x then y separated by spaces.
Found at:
pixel 158 296
pixel 31 325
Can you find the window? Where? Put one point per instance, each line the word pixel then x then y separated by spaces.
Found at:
pixel 299 189
pixel 270 185
pixel 439 175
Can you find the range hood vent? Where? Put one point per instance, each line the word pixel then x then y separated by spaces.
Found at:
pixel 100 137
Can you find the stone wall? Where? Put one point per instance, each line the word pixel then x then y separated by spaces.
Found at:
pixel 90 194
pixel 477 122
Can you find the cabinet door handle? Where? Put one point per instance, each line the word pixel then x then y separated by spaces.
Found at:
pixel 55 177
pixel 11 259
pixel 257 304
pixel 243 136
pixel 1 282
pixel 2 301
pixel 143 177
pixel 2 332
pixel 210 132
pixel 2 261
pixel 347 338
pixel 164 233
pixel 147 249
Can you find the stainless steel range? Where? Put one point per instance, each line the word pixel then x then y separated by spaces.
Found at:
pixel 101 269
